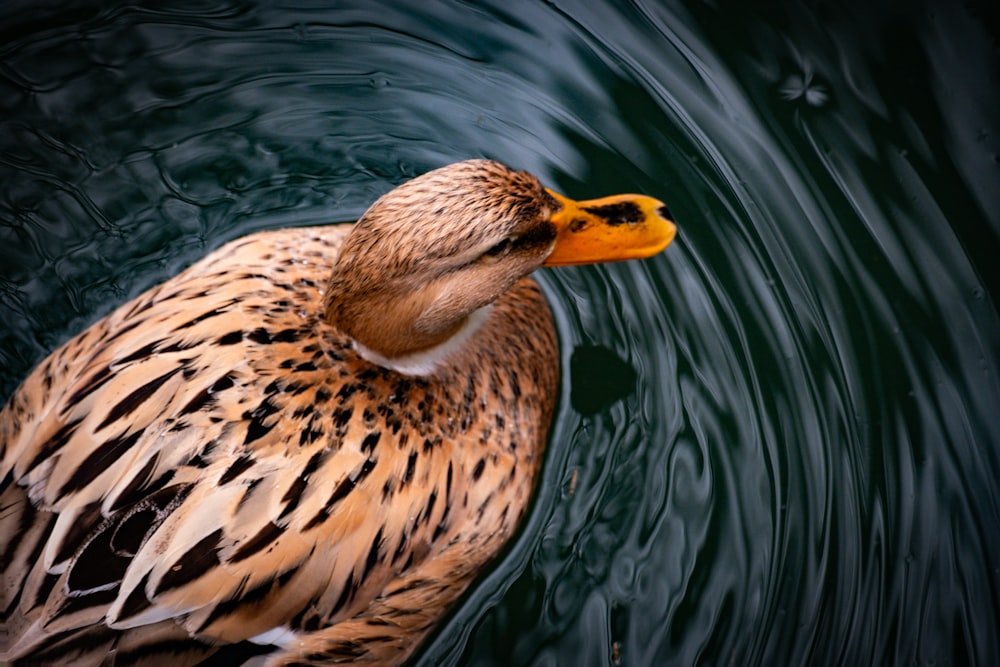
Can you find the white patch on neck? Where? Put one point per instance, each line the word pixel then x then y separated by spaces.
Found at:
pixel 427 361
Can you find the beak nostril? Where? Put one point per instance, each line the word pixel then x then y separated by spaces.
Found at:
pixel 664 212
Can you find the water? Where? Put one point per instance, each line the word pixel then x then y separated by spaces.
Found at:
pixel 778 442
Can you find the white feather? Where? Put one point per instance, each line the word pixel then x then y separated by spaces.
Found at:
pixel 427 361
pixel 281 637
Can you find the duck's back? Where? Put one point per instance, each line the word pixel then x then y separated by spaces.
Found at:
pixel 213 460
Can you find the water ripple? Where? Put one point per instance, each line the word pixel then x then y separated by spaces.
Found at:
pixel 777 442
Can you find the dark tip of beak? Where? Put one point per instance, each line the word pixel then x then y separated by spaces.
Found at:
pixel 664 212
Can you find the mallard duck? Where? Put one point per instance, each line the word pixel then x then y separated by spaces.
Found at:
pixel 305 446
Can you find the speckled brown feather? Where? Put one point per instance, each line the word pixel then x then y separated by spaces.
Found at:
pixel 214 460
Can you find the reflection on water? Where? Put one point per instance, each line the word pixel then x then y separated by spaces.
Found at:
pixel 778 441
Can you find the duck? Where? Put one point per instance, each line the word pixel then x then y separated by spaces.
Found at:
pixel 306 446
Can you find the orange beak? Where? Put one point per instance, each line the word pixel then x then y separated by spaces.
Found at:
pixel 609 229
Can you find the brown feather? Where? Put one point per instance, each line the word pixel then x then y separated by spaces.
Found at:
pixel 213 460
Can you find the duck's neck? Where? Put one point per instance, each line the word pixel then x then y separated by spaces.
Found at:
pixel 428 361
pixel 411 333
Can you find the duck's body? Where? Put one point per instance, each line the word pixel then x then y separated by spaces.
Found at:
pixel 216 463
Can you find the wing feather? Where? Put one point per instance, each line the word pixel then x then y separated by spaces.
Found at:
pixel 158 441
pixel 208 458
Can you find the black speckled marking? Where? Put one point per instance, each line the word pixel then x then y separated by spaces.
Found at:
pixel 477 472
pixel 339 493
pixel 98 461
pixel 431 501
pixel 198 560
pixel 287 336
pixel 239 466
pixel 372 558
pixel 201 318
pixel 309 435
pixel 370 441
pixel 515 385
pixel 347 593
pixel 130 403
pixel 295 492
pixel 230 338
pixel 200 400
pixel 411 466
pixel 260 336
pixel 128 327
pixel 56 442
pixel 249 492
pixel 303 411
pixel 264 537
pixel 255 596
pixel 256 428
pixel 307 620
pixel 346 391
pixel 404 542
pixel 342 415
pixel 141 353
pixel 205 396
pixel 136 600
pixel 90 516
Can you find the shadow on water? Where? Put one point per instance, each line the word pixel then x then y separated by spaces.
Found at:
pixel 777 442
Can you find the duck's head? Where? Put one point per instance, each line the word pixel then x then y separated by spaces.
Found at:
pixel 418 271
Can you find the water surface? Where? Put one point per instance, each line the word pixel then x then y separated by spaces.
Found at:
pixel 777 443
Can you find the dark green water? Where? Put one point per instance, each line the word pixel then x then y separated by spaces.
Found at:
pixel 778 443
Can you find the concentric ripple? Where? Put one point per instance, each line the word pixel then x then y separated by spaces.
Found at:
pixel 778 442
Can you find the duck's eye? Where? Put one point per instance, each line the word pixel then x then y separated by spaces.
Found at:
pixel 499 249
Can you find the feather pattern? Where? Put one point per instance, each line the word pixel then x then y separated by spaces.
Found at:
pixel 217 471
pixel 212 461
